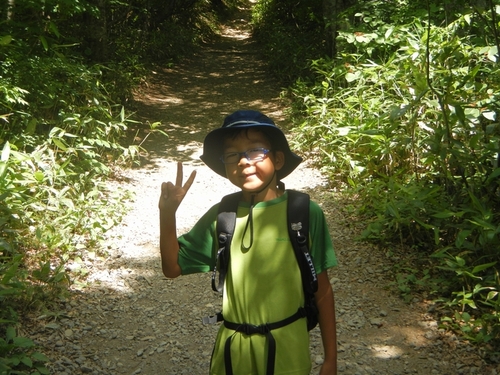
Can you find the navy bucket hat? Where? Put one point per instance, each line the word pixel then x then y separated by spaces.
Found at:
pixel 245 119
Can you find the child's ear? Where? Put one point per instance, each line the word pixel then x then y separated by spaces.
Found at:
pixel 279 160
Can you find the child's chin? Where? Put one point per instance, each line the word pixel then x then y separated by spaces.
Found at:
pixel 251 188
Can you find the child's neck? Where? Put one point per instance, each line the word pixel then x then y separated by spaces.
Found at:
pixel 265 195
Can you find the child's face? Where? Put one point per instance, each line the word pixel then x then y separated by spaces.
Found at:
pixel 250 175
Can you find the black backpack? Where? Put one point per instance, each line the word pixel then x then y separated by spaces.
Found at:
pixel 298 230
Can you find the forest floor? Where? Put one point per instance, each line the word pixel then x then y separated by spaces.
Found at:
pixel 129 319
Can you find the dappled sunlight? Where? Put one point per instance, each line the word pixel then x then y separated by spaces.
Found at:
pixel 414 335
pixel 110 279
pixel 387 351
pixel 206 88
pixel 192 149
pixel 117 278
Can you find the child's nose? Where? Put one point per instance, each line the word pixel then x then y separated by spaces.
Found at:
pixel 243 160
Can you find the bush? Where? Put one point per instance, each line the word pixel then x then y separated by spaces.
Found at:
pixel 409 119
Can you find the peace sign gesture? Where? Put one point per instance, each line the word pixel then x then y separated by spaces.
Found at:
pixel 172 195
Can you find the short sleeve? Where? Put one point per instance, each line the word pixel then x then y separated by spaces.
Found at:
pixel 197 247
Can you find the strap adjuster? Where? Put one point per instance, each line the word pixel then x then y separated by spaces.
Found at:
pixel 250 329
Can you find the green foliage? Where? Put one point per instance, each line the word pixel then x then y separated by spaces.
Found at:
pixel 17 355
pixel 408 117
pixel 61 131
pixel 68 69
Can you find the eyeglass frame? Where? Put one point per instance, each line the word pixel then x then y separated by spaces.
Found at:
pixel 240 154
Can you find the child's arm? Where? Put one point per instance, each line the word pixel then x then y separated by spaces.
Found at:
pixel 170 199
pixel 327 323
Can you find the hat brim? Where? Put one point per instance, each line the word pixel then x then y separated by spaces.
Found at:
pixel 213 148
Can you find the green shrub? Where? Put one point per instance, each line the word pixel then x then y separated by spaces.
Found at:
pixel 408 118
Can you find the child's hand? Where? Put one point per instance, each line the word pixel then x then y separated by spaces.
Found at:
pixel 172 195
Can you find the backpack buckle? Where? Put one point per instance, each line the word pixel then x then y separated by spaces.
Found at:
pixel 212 319
pixel 250 329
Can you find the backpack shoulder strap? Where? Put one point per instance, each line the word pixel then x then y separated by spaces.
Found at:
pixel 226 221
pixel 298 230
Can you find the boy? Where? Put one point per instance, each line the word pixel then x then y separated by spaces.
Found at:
pixel 263 283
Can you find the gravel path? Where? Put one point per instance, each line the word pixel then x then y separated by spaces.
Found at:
pixel 131 320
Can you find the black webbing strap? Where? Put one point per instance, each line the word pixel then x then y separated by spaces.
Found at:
pixel 263 329
pixel 298 230
pixel 226 221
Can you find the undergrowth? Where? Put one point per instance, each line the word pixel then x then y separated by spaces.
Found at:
pixel 67 73
pixel 407 118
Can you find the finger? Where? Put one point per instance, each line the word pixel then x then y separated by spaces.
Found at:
pixel 178 180
pixel 189 181
pixel 164 190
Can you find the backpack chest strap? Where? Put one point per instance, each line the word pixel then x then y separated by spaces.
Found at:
pixel 263 329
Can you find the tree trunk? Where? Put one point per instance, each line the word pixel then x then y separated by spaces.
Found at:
pixel 98 33
pixel 7 9
pixel 331 11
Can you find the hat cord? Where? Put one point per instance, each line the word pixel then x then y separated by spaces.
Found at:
pixel 249 223
pixel 250 214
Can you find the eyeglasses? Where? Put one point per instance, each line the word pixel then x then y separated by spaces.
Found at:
pixel 254 154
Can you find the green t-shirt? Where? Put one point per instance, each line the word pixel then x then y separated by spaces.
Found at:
pixel 263 283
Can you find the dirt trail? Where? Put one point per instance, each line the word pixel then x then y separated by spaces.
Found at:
pixel 131 320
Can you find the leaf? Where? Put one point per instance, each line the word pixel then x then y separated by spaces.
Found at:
pixel 483 224
pixel 482 267
pixel 39 176
pixel 59 144
pixel 459 111
pixel 31 127
pixel 56 130
pixel 460 261
pixel 3 169
pixel 490 115
pixel 54 29
pixel 40 357
pixel 398 112
pixel 444 214
pixel 5 152
pixel 23 342
pixel 491 295
pixel 27 361
pixel 44 43
pixel 461 237
pixel 493 175
pixel 10 334
pixel 472 113
pixel 4 40
pixel 471 304
pixel 493 53
pixel 466 316
pixel 351 77
pixel 388 33
pixel 43 370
